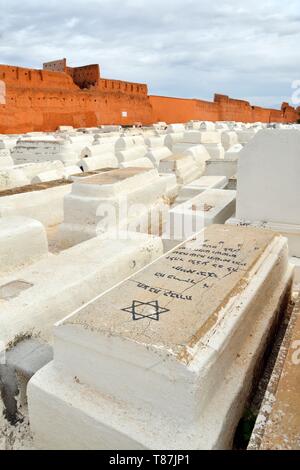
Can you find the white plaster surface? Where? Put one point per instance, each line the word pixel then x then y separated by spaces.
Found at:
pixel 64 282
pixel 22 242
pixel 119 198
pixel 213 206
pixel 268 178
pixel 45 205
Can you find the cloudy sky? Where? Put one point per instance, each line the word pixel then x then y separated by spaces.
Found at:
pixel 187 48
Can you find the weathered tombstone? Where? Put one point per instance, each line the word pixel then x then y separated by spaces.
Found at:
pixel 155 155
pixel 210 139
pixel 166 359
pixel 175 128
pixel 42 291
pixel 119 199
pixel 228 139
pixel 268 192
pixel 199 185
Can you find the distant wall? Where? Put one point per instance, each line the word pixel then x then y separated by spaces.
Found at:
pixel 42 100
pixel 182 110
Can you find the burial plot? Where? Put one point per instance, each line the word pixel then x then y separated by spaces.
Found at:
pixel 268 192
pixel 213 206
pixel 44 149
pixel 46 290
pixel 278 423
pixel 165 360
pixel 199 186
pixel 138 163
pixel 222 167
pixel 211 140
pixel 172 128
pixel 183 166
pixel 156 154
pixel 228 139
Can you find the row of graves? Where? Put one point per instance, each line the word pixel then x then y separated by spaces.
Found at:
pixel 146 287
pixel 43 157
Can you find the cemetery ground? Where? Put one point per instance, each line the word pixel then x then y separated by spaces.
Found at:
pixel 149 287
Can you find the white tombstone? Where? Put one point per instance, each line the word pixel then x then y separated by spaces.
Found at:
pixel 183 166
pixel 44 205
pixel 175 128
pixel 157 154
pixel 199 186
pixel 61 283
pixel 199 154
pixel 154 142
pixel 105 160
pixel 22 242
pixel 222 126
pixel 229 139
pixel 211 140
pixel 172 188
pixel 109 129
pixel 31 170
pixel 46 176
pixel 65 128
pixel 5 156
pixel 133 153
pixel 245 136
pixel 233 152
pixel 207 126
pixel 123 143
pixel 216 151
pixel 138 163
pixel 12 178
pixel 268 184
pixel 6 161
pixel 71 171
pixel 166 359
pixel 172 139
pixel 221 167
pixel 213 206
pixel 202 137
pixel 119 200
pixel 44 149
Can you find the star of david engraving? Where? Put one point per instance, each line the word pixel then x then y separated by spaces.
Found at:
pixel 140 310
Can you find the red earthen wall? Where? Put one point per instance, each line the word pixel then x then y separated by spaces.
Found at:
pixel 42 100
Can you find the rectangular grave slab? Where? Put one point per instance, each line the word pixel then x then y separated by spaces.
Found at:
pixel 291 232
pixel 267 184
pixel 183 166
pixel 166 359
pixel 23 241
pixel 35 204
pixel 278 423
pixel 221 167
pixel 117 199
